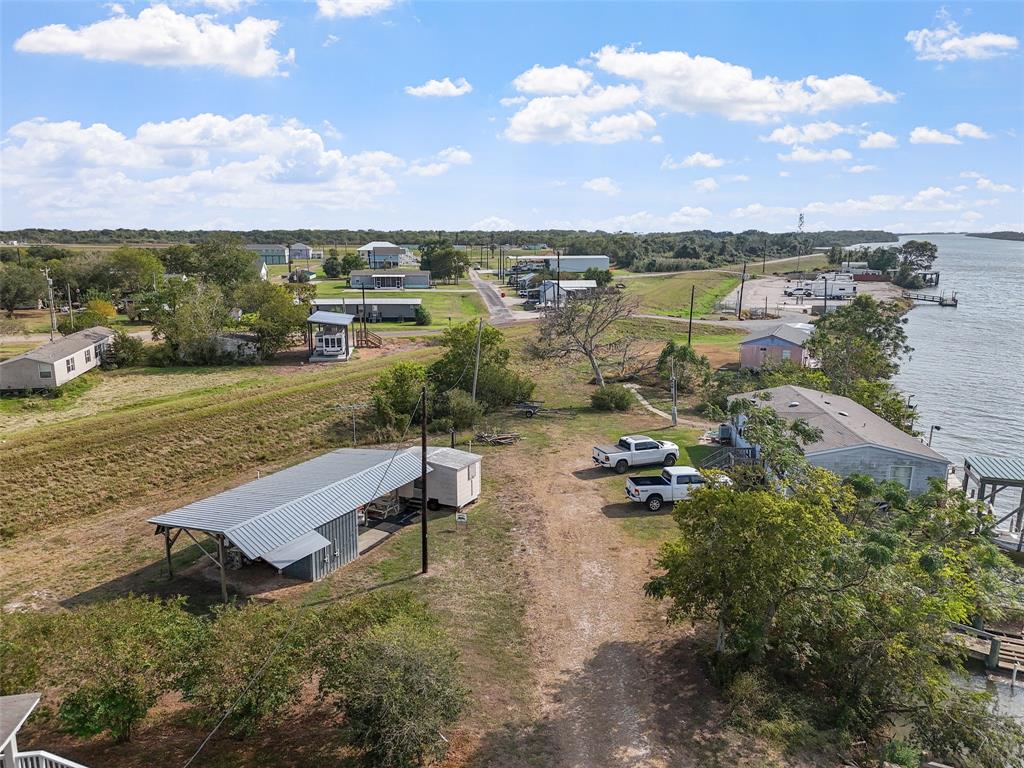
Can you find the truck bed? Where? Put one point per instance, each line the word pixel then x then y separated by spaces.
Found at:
pixel 646 480
pixel 609 449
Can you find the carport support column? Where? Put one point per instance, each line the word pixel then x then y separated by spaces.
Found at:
pixel 220 563
pixel 167 551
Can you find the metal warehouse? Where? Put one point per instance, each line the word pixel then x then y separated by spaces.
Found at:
pixel 302 520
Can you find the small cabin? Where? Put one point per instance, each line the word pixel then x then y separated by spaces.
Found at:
pixel 454 478
pixel 328 336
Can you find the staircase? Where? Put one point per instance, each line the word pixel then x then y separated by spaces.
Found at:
pixel 367 338
pixel 729 456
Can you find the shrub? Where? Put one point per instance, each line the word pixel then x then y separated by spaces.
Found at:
pixel 101 307
pixel 611 397
pixel 80 320
pixel 422 315
pixel 116 659
pixel 234 652
pixel 332 266
pixel 902 754
pixel 24 647
pixel 396 392
pixel 126 350
pixel 397 686
pixel 459 410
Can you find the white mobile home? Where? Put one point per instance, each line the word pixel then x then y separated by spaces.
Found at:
pixel 57 362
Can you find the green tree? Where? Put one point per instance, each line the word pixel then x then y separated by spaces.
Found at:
pixel 231 666
pixel 351 262
pixel 20 286
pixel 863 340
pixel 227 265
pixel 134 269
pixel 270 313
pixel 332 266
pixel 443 260
pixel 79 321
pixel 422 315
pixel 602 277
pixel 396 392
pixel 180 259
pixel 693 370
pixel 398 687
pixel 498 383
pixel 126 350
pixel 188 316
pixel 114 659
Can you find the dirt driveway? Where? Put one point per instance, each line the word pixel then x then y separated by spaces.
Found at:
pixel 616 685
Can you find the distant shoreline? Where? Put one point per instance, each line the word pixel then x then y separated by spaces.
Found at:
pixel 1019 236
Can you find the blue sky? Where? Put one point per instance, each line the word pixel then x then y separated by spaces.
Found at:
pixel 620 116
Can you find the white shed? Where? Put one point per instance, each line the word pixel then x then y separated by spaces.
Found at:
pixel 454 477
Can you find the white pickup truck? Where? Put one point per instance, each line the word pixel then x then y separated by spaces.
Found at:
pixel 673 484
pixel 635 451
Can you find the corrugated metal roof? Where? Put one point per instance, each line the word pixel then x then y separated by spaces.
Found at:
pixel 296 549
pixel 997 467
pixel 357 300
pixel 54 351
pixel 378 244
pixel 843 422
pixel 452 458
pixel 330 318
pixel 264 514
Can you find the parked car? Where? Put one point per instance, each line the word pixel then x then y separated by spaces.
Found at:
pixel 672 485
pixel 635 451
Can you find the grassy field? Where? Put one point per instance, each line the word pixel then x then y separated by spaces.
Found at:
pixel 38 321
pixel 804 263
pixel 670 294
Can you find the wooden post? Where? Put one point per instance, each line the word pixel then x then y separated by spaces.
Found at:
pixel 167 551
pixel 220 562
pixel 992 661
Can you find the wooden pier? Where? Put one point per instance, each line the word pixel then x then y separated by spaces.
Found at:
pixel 1001 652
pixel 943 299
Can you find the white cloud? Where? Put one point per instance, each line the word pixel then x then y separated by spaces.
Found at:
pixel 971 131
pixel 804 155
pixel 929 199
pixel 991 186
pixel 657 139
pixel 115 8
pixel 924 135
pixel 736 177
pixel 970 175
pixel 161 37
pixel 688 216
pixel 353 8
pixel 948 43
pixel 512 101
pixel 220 6
pixel 805 134
pixel 705 185
pixel 455 156
pixel 696 160
pixel 428 169
pixel 552 81
pixel 492 223
pixel 878 140
pixel 861 168
pixel 170 173
pixel 694 84
pixel 331 40
pixel 785 174
pixel 440 88
pixel 603 184
pixel 760 211
pixel 560 119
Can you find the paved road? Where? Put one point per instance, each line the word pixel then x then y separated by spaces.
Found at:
pixel 500 314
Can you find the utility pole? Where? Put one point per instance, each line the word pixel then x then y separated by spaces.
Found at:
pixel 423 480
pixel 800 228
pixel 53 316
pixel 675 409
pixel 689 325
pixel 764 256
pixel 71 310
pixel 476 365
pixel 743 282
pixel 364 309
pixel 558 277
pixel 824 310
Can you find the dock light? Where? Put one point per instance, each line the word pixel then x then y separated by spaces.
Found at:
pixel 935 428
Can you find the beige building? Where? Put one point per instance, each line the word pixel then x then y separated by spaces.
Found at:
pixel 55 363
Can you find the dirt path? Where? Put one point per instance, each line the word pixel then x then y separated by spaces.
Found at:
pixel 595 633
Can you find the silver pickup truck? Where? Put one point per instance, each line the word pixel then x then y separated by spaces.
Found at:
pixel 635 451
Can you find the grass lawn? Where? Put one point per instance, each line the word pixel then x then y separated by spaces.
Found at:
pixel 670 294
pixel 804 263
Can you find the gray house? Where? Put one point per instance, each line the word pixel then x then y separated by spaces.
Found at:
pixel 56 362
pixel 854 440
pixel 376 309
pixel 269 253
pixel 389 279
pixel 381 254
pixel 303 520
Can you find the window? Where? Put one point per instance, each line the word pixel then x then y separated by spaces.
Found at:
pixel 71 364
pixel 97 351
pixel 683 480
pixel 45 372
pixel 787 354
pixel 902 474
pixel 88 355
pixel 647 447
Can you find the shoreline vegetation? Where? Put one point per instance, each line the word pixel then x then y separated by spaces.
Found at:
pixel 1018 236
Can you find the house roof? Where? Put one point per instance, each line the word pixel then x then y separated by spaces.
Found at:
pixel 330 318
pixel 572 285
pixel 452 458
pixel 389 272
pixel 54 351
pixel 996 468
pixel 299 245
pixel 577 256
pixel 378 244
pixel 843 422
pixel 14 711
pixel 265 514
pixel 357 300
pixel 794 333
